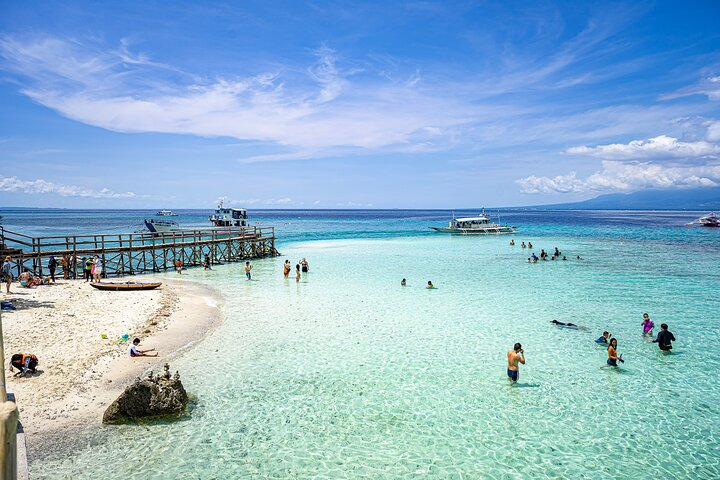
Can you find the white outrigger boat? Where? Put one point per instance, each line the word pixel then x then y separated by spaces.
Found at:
pixel 479 225
pixel 160 226
pixel 709 220
pixel 166 213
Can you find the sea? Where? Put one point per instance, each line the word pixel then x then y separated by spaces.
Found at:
pixel 348 374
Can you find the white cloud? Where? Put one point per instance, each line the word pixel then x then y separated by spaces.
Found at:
pixel 322 109
pixel 654 148
pixel 354 205
pixel 256 201
pixel 708 86
pixel 40 186
pixel 713 132
pixel 621 176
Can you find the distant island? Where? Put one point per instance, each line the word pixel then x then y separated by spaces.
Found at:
pixel 690 199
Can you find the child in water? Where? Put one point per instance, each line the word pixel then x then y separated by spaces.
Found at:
pixel 647 325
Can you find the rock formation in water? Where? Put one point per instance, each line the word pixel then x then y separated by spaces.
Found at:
pixel 160 396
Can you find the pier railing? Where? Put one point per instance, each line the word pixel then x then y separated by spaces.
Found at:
pixel 131 253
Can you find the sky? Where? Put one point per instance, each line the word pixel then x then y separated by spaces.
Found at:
pixel 338 104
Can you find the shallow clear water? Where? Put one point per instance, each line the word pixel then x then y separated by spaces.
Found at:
pixel 348 375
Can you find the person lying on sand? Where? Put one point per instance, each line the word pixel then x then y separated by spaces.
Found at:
pixel 134 352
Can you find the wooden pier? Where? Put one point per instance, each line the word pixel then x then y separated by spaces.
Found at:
pixel 133 253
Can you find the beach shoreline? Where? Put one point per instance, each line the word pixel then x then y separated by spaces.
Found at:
pixel 82 373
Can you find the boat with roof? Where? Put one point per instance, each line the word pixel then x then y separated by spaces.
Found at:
pixel 479 225
pixel 229 217
pixel 709 220
pixel 166 213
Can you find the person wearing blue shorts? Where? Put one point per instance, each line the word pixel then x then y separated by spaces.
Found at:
pixel 516 356
pixel 248 267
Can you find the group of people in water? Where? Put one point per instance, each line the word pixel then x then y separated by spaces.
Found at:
pixel 543 254
pixel 301 266
pixel 664 339
pixel 430 286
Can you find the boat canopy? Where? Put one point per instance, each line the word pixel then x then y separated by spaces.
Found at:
pixel 472 219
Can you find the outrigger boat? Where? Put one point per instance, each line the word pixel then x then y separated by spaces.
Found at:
pixel 710 220
pixel 160 226
pixel 479 225
pixel 166 213
pixel 126 286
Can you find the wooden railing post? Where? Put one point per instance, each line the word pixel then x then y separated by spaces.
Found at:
pixel 8 435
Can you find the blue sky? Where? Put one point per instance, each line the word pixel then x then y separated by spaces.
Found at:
pixel 354 104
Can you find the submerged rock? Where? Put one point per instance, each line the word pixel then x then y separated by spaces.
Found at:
pixel 160 396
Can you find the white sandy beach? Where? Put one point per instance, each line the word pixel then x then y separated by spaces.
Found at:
pixel 80 373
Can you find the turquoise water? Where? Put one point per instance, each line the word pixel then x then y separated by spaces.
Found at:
pixel 348 375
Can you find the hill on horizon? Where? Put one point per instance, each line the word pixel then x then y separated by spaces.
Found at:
pixel 690 199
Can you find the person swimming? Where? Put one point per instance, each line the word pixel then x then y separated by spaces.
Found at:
pixel 647 325
pixel 613 357
pixel 403 282
pixel 604 338
pixel 562 324
pixel 430 285
pixel 523 245
pixel 512 242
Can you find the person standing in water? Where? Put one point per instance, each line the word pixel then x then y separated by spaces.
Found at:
pixel 664 338
pixel 297 273
pixel 248 267
pixel 515 357
pixel 647 325
pixel 613 356
pixel 430 285
pixel 286 269
pixel 304 265
pixel 403 282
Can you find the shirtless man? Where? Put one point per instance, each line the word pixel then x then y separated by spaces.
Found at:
pixel 515 357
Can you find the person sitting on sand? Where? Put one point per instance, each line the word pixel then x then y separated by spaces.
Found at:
pixel 24 362
pixel 134 352
pixel 613 357
pixel 26 278
pixel 604 339
pixel 515 357
pixel 664 338
pixel 561 324
pixel 403 282
pixel 430 285
pixel 286 269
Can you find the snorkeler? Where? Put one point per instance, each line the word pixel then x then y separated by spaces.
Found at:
pixel 613 357
pixel 647 325
pixel 605 338
pixel 561 324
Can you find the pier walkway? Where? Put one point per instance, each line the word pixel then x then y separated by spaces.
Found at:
pixel 133 253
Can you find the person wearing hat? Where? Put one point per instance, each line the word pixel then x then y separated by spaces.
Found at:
pixel 6 273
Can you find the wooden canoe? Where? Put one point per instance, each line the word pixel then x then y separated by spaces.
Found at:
pixel 125 286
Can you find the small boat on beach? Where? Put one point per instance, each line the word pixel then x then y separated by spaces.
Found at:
pixel 709 220
pixel 480 225
pixel 166 213
pixel 117 286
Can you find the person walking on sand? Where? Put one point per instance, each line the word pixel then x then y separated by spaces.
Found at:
pixel 65 264
pixel 248 267
pixel 286 269
pixel 134 352
pixel 515 357
pixel 664 338
pixel 297 273
pixel 6 273
pixel 97 269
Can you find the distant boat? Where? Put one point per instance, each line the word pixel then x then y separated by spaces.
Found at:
pixel 166 213
pixel 127 286
pixel 479 225
pixel 710 220
pixel 229 217
pixel 160 226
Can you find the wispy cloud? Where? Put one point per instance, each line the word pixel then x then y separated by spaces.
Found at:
pixel 660 147
pixel 708 86
pixel 40 186
pixel 257 201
